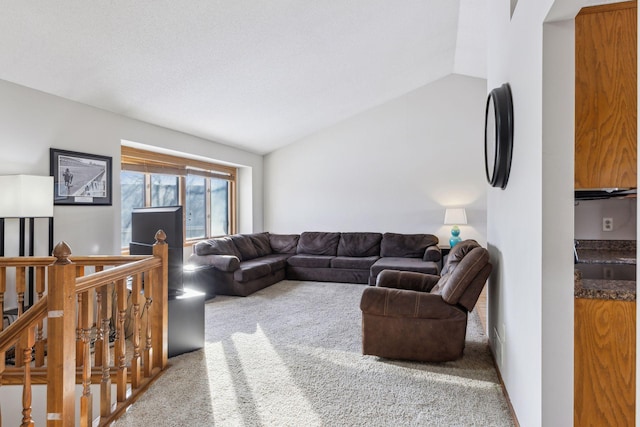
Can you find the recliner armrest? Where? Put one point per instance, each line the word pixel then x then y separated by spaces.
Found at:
pixel 406 280
pixel 228 263
pixel 403 303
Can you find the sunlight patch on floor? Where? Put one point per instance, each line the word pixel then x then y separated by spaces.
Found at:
pixel 278 399
pixel 224 399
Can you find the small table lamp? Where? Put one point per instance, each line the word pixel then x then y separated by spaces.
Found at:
pixel 455 217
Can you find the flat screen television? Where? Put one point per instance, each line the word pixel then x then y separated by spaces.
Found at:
pixel 145 222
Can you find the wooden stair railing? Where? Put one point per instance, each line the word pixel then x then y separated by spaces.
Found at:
pixel 78 312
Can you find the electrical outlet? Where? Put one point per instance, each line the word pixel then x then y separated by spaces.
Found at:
pixel 607 224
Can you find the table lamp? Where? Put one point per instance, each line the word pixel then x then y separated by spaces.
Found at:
pixel 455 217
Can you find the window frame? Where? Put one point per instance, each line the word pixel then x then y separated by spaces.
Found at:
pixel 149 162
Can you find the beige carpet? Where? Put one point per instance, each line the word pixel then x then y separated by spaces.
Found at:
pixel 290 355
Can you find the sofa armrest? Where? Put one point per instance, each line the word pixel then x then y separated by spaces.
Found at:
pixel 406 280
pixel 432 253
pixel 228 263
pixel 403 303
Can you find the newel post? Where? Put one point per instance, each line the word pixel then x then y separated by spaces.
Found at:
pixel 160 305
pixel 61 352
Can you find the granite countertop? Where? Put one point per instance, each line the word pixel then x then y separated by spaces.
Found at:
pixel 619 290
pixel 605 252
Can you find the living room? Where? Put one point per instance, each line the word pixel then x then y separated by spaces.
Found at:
pixel 395 166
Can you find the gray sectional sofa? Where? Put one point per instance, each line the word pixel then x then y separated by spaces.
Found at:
pixel 245 263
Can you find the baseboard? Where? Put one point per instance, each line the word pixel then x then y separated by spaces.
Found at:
pixel 504 389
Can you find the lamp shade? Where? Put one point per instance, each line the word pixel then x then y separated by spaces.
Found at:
pixel 26 196
pixel 457 216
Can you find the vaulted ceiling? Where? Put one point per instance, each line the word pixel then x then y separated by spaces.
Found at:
pixel 253 74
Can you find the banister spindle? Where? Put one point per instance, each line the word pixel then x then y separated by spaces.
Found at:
pixel 148 348
pixel 79 344
pixel 105 383
pixel 40 286
pixel 121 297
pixel 20 290
pixel 27 342
pixel 86 317
pixel 136 288
pixel 97 345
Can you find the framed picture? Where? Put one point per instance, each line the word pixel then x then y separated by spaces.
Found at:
pixel 80 178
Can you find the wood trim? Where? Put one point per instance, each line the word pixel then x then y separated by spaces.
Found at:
pixel 136 156
pixel 608 7
pixel 233 208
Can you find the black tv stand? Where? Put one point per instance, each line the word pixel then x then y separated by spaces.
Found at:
pixel 186 321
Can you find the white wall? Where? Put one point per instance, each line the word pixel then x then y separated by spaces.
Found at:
pixel 393 168
pixel 31 122
pixel 514 214
pixel 530 224
pixel 589 214
pixel 558 96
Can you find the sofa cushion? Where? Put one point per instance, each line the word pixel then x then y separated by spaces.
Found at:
pixel 251 270
pixel 275 261
pixel 245 247
pixel 406 245
pixel 404 264
pixel 354 263
pixel 284 243
pixel 318 243
pixel 261 243
pixel 310 261
pixel 217 246
pixel 359 244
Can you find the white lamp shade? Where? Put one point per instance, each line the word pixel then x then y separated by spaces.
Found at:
pixel 26 196
pixel 457 216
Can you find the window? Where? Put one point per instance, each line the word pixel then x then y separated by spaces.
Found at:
pixel 206 190
pixel 196 207
pixel 219 190
pixel 164 190
pixel 132 189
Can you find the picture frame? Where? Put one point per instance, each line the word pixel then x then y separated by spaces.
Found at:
pixel 81 178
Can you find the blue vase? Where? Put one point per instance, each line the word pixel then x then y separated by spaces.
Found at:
pixel 455 236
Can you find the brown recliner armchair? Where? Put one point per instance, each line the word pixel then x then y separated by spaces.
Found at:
pixel 416 316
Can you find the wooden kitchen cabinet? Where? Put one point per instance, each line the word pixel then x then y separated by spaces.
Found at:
pixel 605 96
pixel 604 362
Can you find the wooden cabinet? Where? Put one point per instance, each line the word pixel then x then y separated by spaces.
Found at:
pixel 604 362
pixel 605 96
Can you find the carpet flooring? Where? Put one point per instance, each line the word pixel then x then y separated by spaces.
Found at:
pixel 290 355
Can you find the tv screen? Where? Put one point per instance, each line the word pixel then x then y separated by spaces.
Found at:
pixel 145 222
